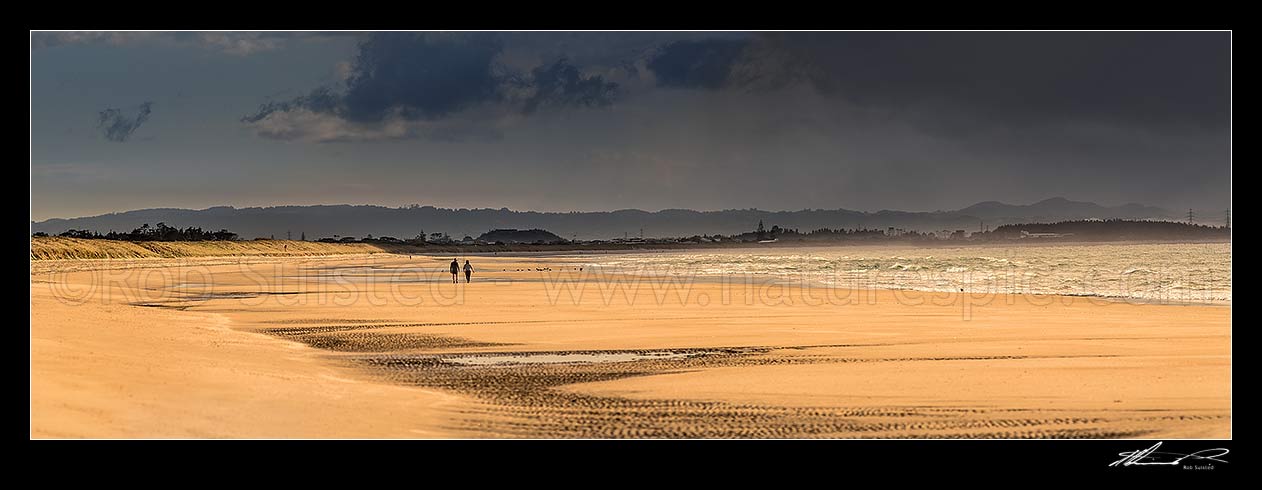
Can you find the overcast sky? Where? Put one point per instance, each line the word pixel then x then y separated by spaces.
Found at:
pixel 602 121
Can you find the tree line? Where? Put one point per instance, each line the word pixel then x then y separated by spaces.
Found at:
pixel 146 233
pixel 1111 229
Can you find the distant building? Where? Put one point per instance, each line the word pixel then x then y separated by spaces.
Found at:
pixel 1026 234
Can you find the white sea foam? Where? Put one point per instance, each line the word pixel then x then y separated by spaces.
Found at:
pixel 1179 273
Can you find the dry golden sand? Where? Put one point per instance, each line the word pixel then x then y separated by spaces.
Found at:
pixel 294 347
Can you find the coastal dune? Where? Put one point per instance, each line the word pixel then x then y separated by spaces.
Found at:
pixel 54 248
pixel 106 369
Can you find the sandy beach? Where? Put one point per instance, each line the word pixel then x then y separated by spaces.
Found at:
pixel 384 345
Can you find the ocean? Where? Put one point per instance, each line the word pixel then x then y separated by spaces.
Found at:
pixel 1187 273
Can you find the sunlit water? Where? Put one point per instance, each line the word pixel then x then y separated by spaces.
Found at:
pixel 1177 273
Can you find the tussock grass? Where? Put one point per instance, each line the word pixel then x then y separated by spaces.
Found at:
pixel 55 248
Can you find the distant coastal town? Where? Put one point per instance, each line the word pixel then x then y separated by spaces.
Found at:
pixel 1077 230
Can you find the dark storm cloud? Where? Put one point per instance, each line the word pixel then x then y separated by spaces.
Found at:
pixel 322 100
pixel 117 126
pixel 977 77
pixel 599 48
pixel 865 120
pixel 417 76
pixel 422 75
pixel 430 77
pixel 940 117
pixel 561 84
pixel 703 64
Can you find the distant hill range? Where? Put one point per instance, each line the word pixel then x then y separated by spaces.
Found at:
pixel 358 221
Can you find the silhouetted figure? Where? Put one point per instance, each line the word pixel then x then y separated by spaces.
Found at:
pixel 468 270
pixel 455 271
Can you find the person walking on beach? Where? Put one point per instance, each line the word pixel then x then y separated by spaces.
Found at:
pixel 468 271
pixel 455 272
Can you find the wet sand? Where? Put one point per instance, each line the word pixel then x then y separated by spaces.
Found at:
pixel 386 346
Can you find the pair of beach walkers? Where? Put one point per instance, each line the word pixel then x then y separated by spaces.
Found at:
pixel 455 271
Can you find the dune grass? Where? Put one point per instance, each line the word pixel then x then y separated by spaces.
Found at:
pixel 55 248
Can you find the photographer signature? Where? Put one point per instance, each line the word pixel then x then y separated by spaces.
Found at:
pixel 1152 456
